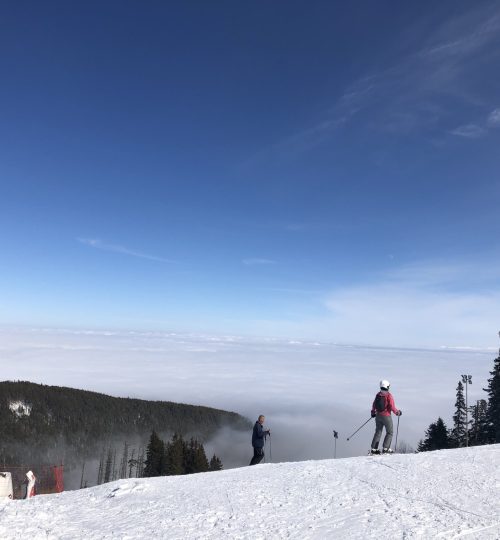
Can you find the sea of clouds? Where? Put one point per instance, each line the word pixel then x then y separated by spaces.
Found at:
pixel 306 389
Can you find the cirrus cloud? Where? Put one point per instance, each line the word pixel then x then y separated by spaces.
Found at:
pixel 96 243
pixel 426 304
pixel 469 131
pixel 494 118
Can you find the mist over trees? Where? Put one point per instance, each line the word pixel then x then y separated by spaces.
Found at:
pixel 98 437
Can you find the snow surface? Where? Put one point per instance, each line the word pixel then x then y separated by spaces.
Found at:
pixel 445 494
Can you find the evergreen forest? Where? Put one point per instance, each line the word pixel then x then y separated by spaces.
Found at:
pixel 51 425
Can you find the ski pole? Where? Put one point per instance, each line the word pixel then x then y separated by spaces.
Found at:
pixel 397 431
pixel 270 449
pixel 350 436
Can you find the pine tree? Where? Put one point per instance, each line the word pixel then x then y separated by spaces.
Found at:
pixel 155 456
pixel 436 438
pixel 200 460
pixel 458 433
pixel 215 464
pixel 190 456
pixel 176 456
pixel 493 414
pixel 479 432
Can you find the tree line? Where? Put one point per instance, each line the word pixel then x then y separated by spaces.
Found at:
pixel 159 458
pixel 475 425
pixel 177 456
pixel 113 467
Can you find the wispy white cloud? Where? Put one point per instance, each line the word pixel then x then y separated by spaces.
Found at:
pixel 469 131
pixel 465 34
pixel 310 137
pixel 404 314
pixel 443 66
pixel 257 261
pixel 419 93
pixel 96 243
pixel 427 304
pixel 494 118
pixel 483 271
pixel 432 304
pixel 475 131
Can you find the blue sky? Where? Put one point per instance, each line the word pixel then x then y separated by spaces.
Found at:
pixel 298 169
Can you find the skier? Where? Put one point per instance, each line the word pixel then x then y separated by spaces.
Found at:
pixel 259 435
pixel 383 406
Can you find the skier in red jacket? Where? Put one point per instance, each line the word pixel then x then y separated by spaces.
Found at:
pixel 383 406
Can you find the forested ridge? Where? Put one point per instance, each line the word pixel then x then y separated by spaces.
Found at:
pixel 40 423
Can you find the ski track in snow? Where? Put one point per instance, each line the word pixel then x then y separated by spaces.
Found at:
pixel 447 494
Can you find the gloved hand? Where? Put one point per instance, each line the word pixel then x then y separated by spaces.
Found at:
pixel 399 413
pixel 374 414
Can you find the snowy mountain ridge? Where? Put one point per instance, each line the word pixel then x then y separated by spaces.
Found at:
pixel 445 494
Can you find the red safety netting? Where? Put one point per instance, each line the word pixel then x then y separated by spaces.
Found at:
pixel 59 478
pixel 49 479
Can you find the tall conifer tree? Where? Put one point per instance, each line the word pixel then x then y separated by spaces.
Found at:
pixel 458 433
pixel 493 414
pixel 479 432
pixel 155 456
pixel 176 456
pixel 200 460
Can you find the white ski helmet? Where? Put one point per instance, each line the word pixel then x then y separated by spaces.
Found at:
pixel 384 384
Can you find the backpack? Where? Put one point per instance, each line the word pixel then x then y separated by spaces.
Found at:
pixel 381 402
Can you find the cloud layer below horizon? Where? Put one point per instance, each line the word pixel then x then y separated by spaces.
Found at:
pixel 306 389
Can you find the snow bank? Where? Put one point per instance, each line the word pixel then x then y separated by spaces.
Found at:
pixel 446 494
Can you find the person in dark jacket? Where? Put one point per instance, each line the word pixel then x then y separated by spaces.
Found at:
pixel 383 406
pixel 259 435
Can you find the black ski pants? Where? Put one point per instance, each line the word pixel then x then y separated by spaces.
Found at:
pixel 258 455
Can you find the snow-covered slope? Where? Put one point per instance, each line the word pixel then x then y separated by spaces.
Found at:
pixel 446 494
